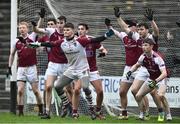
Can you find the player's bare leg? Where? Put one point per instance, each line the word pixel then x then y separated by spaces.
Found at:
pixel 20 97
pixel 124 87
pixel 139 98
pixel 97 84
pixel 38 97
pixel 49 84
pixel 76 98
pixel 161 93
pixel 145 103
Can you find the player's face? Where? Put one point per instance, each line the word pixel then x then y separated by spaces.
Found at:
pixel 68 32
pixel 143 31
pixel 51 24
pixel 60 24
pixel 133 28
pixel 82 30
pixel 23 29
pixel 147 47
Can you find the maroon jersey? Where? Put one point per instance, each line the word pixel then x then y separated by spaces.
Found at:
pixel 91 54
pixel 56 54
pixel 153 64
pixel 133 48
pixel 26 56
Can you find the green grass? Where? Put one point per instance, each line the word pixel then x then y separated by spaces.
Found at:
pixel 11 118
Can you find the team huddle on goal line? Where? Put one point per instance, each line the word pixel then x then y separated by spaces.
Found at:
pixel 72 54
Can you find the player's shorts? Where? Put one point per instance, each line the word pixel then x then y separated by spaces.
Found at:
pixel 94 75
pixel 142 74
pixel 82 75
pixel 55 69
pixel 27 74
pixel 161 85
pixel 131 79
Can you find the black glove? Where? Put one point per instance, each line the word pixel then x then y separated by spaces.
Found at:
pixel 42 12
pixel 117 12
pixel 101 54
pixel 178 23
pixel 149 14
pixel 128 75
pixel 21 39
pixel 107 22
pixel 33 23
pixel 9 72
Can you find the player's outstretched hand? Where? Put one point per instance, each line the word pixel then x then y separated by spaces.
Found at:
pixel 152 84
pixel 9 72
pixel 149 14
pixel 21 39
pixel 117 12
pixel 42 12
pixel 101 54
pixel 178 23
pixel 107 22
pixel 34 45
pixel 33 23
pixel 128 75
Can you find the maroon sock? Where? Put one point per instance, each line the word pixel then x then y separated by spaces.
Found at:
pixel 40 108
pixel 20 107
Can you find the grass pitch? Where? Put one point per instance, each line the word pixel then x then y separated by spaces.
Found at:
pixel 11 118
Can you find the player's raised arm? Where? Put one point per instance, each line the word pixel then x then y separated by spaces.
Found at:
pixel 120 21
pixel 149 14
pixel 41 15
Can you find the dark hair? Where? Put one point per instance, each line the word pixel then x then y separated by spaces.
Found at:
pixel 149 41
pixel 143 25
pixel 52 19
pixel 62 18
pixel 130 22
pixel 84 24
pixel 69 25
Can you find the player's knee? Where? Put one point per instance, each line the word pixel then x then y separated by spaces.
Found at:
pixel 161 95
pixel 134 92
pixel 122 93
pixel 20 92
pixel 48 88
pixel 77 91
pixel 138 97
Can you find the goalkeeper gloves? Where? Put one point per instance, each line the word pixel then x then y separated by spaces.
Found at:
pixel 101 54
pixel 128 74
pixel 42 12
pixel 107 22
pixel 149 14
pixel 9 72
pixel 34 45
pixel 109 33
pixel 152 84
pixel 21 39
pixel 178 23
pixel 117 12
pixel 33 23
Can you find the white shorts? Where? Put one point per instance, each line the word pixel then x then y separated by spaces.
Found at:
pixel 94 76
pixel 142 74
pixel 131 79
pixel 82 75
pixel 55 69
pixel 27 74
pixel 76 74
